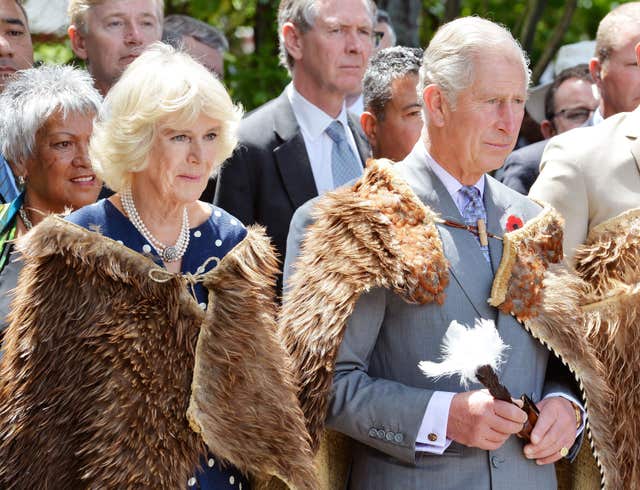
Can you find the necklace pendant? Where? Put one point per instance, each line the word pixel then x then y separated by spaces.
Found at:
pixel 170 254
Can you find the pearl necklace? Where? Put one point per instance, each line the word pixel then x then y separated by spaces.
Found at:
pixel 168 253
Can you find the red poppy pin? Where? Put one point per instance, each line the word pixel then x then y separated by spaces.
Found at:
pixel 514 223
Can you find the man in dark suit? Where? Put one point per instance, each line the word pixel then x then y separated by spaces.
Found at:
pixel 569 103
pixel 285 154
pixel 16 53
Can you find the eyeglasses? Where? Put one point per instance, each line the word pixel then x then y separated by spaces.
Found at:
pixel 578 115
pixel 377 37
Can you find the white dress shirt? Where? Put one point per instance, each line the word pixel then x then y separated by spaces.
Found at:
pixel 313 122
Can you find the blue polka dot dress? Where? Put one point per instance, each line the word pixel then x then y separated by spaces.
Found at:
pixel 215 237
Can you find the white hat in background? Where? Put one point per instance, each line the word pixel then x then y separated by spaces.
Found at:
pixel 568 56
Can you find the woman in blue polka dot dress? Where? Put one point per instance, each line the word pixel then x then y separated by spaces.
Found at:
pixel 164 128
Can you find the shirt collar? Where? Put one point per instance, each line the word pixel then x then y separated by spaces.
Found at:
pixel 312 120
pixel 597 116
pixel 449 181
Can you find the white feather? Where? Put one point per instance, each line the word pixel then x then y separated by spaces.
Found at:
pixel 465 349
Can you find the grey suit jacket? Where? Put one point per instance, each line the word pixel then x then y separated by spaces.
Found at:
pixel 269 175
pixel 379 394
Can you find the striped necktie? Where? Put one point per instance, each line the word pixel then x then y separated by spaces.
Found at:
pixel 345 166
pixel 473 211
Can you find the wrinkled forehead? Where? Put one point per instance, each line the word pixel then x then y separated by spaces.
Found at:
pixel 137 8
pixel 344 12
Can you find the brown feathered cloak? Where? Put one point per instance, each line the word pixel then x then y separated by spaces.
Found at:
pixel 106 353
pixel 377 233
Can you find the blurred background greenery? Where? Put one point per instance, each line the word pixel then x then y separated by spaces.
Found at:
pixel 254 76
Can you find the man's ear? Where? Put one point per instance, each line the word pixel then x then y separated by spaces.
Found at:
pixel 594 69
pixel 77 42
pixel 369 124
pixel 436 105
pixel 292 40
pixel 638 54
pixel 547 129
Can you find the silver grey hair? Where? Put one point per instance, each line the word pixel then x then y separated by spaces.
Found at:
pixel 33 96
pixel 177 26
pixel 448 61
pixel 302 14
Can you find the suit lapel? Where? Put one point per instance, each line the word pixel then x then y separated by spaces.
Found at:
pixel 632 132
pixel 363 146
pixel 291 156
pixel 497 211
pixel 467 263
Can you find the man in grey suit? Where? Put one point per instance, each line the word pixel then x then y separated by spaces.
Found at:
pixel 285 154
pixel 412 432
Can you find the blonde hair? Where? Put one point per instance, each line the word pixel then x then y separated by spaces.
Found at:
pixel 77 11
pixel 159 83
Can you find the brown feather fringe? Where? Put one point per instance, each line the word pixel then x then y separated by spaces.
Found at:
pixel 610 263
pixel 375 234
pixel 527 253
pixel 96 376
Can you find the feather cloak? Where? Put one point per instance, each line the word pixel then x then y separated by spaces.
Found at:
pixel 113 377
pixel 378 233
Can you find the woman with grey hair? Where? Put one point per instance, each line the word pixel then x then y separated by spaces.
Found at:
pixel 46 118
pixel 155 324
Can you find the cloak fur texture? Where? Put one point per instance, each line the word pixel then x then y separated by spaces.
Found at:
pixel 379 234
pixel 609 262
pixel 106 353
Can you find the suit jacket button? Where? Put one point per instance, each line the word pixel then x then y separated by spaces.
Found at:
pixel 398 438
pixel 381 434
pixel 373 432
pixel 496 461
pixel 432 437
pixel 389 436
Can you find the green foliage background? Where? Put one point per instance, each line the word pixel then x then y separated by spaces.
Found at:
pixel 255 78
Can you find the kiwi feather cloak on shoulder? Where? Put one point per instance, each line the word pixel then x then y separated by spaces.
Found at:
pixel 377 233
pixel 113 377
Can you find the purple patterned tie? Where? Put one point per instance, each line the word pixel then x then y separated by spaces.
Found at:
pixel 473 210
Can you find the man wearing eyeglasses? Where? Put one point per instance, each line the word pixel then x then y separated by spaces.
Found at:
pixel 591 175
pixel 569 103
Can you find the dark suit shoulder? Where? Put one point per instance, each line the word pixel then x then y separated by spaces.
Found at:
pixel 515 200
pixel 522 167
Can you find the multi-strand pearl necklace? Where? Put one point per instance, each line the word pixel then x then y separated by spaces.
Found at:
pixel 168 253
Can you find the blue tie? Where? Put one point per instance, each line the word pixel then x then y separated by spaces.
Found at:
pixel 8 190
pixel 473 210
pixel 344 164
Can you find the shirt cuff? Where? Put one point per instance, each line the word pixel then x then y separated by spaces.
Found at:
pixel 578 404
pixel 432 436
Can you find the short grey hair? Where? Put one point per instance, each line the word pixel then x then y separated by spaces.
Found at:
pixel 177 26
pixel 609 28
pixel 302 14
pixel 32 96
pixel 448 61
pixel 384 67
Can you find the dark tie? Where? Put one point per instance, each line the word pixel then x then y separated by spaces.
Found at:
pixel 473 210
pixel 7 187
pixel 345 166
